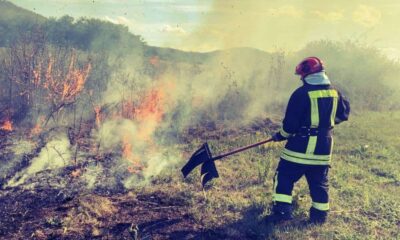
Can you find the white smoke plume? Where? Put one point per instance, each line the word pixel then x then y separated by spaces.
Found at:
pixel 54 155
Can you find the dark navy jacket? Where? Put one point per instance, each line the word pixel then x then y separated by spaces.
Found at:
pixel 311 114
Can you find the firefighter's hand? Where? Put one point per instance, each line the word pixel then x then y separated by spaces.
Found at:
pixel 277 137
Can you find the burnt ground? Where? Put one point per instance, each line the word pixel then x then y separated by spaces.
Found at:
pixel 52 214
pixel 49 214
pixel 57 205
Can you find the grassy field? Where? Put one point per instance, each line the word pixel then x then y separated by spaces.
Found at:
pixel 364 180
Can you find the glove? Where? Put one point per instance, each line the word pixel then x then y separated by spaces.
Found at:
pixel 277 137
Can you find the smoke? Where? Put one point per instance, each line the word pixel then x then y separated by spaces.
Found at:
pixel 149 111
pixel 141 158
pixel 91 176
pixel 15 151
pixel 56 154
pixel 143 114
pixel 135 106
pixel 259 24
pixel 142 101
pixel 155 163
pixel 133 130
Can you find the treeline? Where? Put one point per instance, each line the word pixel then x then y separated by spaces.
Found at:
pixel 90 34
pixel 84 34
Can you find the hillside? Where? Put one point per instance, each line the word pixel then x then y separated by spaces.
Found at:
pixel 11 12
pixel 14 19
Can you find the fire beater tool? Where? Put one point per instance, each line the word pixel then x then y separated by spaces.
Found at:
pixel 204 157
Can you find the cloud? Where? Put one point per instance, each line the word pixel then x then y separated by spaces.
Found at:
pixel 287 10
pixel 167 28
pixel 119 20
pixel 194 8
pixel 366 16
pixel 333 16
pixel 134 26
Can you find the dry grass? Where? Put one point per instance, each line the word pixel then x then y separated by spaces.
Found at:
pixel 365 182
pixel 88 215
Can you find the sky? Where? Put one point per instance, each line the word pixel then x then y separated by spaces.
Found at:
pixel 206 25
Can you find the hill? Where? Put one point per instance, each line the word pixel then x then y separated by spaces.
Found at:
pixel 14 19
pixel 11 12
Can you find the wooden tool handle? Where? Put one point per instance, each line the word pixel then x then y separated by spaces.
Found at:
pixel 241 149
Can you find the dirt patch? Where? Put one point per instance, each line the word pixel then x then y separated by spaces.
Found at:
pixel 47 214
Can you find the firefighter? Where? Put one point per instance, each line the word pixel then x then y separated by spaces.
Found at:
pixel 312 112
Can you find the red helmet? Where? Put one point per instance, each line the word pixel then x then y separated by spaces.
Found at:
pixel 308 66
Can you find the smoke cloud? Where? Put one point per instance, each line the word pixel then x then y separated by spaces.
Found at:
pixel 56 154
pixel 139 102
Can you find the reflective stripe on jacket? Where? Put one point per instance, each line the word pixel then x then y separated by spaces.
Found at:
pixel 311 114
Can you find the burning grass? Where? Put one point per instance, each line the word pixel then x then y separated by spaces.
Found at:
pixel 88 198
pixel 7 126
pixel 60 205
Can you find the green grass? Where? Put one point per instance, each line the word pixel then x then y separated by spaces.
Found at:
pixel 364 180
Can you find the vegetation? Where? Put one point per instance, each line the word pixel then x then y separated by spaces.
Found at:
pixel 364 180
pixel 249 81
pixel 360 70
pixel 77 73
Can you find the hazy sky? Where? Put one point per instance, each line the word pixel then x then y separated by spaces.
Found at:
pixel 204 25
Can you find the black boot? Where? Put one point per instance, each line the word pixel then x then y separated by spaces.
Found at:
pixel 280 212
pixel 318 216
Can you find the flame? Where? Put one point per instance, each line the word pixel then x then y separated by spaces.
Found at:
pixel 37 129
pixel 151 107
pixel 148 112
pixel 128 155
pixel 48 74
pixel 97 112
pixel 126 148
pixel 154 60
pixel 65 87
pixel 76 173
pixel 75 80
pixel 7 126
pixel 37 75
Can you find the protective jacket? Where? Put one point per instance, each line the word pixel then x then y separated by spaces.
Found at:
pixel 311 114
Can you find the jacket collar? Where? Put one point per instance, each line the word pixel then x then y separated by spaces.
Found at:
pixel 319 78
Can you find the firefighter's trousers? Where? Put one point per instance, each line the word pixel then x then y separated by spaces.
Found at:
pixel 288 173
